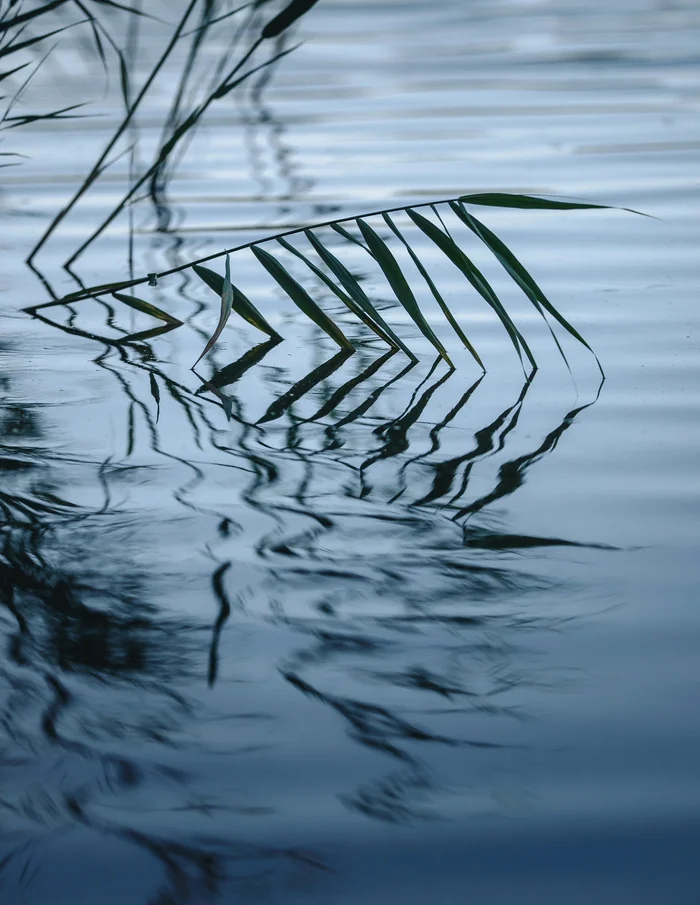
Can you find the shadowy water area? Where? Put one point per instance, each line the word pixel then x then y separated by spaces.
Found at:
pixel 312 623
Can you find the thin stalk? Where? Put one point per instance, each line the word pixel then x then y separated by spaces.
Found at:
pixel 168 147
pixel 102 289
pixel 121 129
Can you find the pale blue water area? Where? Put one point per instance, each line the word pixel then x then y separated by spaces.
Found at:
pixel 418 638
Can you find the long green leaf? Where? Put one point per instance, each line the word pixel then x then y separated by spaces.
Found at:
pixel 448 246
pixel 241 303
pixel 226 306
pixel 348 236
pixel 399 284
pixel 528 202
pixel 353 289
pixel 532 202
pixel 519 274
pixel 433 288
pixel 146 308
pixel 462 214
pixel 301 297
pixel 350 303
pixel 287 17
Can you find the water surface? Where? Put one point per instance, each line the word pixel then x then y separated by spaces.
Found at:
pixel 402 634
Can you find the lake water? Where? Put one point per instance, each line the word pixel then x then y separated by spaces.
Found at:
pixel 416 636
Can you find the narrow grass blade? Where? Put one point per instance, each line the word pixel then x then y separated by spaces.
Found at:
pixel 532 202
pixel 183 130
pixel 121 128
pixel 519 274
pixel 301 297
pixel 433 288
pixel 336 227
pixel 10 72
pixel 399 284
pixel 287 17
pixel 527 202
pixel 461 213
pixel 353 289
pixel 155 389
pixel 241 303
pixel 350 303
pixel 28 16
pixel 13 48
pixel 226 306
pixel 476 278
pixel 146 308
pixel 93 291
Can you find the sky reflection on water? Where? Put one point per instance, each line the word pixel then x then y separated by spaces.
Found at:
pixel 309 626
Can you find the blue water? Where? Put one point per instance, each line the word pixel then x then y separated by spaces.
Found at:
pixel 421 637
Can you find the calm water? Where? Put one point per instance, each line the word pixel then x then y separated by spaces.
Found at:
pixel 415 637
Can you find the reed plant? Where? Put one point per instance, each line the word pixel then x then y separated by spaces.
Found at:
pixel 258 42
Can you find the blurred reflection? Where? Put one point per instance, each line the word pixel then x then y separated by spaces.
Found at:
pixel 345 518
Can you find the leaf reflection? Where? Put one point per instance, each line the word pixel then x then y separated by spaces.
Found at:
pixel 342 512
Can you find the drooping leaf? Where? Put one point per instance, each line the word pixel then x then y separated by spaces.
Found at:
pixel 519 274
pixel 399 284
pixel 301 297
pixel 146 308
pixel 433 288
pixel 348 236
pixel 287 17
pixel 347 287
pixel 241 303
pixel 461 213
pixel 449 247
pixel 226 307
pixel 350 303
pixel 353 288
pixel 527 202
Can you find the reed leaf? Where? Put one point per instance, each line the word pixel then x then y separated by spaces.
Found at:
pixel 288 16
pixel 225 313
pixel 350 303
pixel 301 297
pixel 399 284
pixel 455 254
pixel 353 288
pixel 433 288
pixel 526 202
pixel 347 287
pixel 146 308
pixel 241 303
pixel 520 275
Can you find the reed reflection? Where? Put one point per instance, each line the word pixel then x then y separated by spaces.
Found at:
pixel 346 524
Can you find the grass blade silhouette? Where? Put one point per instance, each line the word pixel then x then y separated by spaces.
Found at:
pixel 450 248
pixel 147 308
pixel 520 275
pixel 241 303
pixel 226 306
pixel 98 166
pixel 288 16
pixel 353 288
pixel 399 284
pixel 349 302
pixel 433 288
pixel 301 297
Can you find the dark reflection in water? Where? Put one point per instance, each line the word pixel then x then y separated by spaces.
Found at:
pixel 105 682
